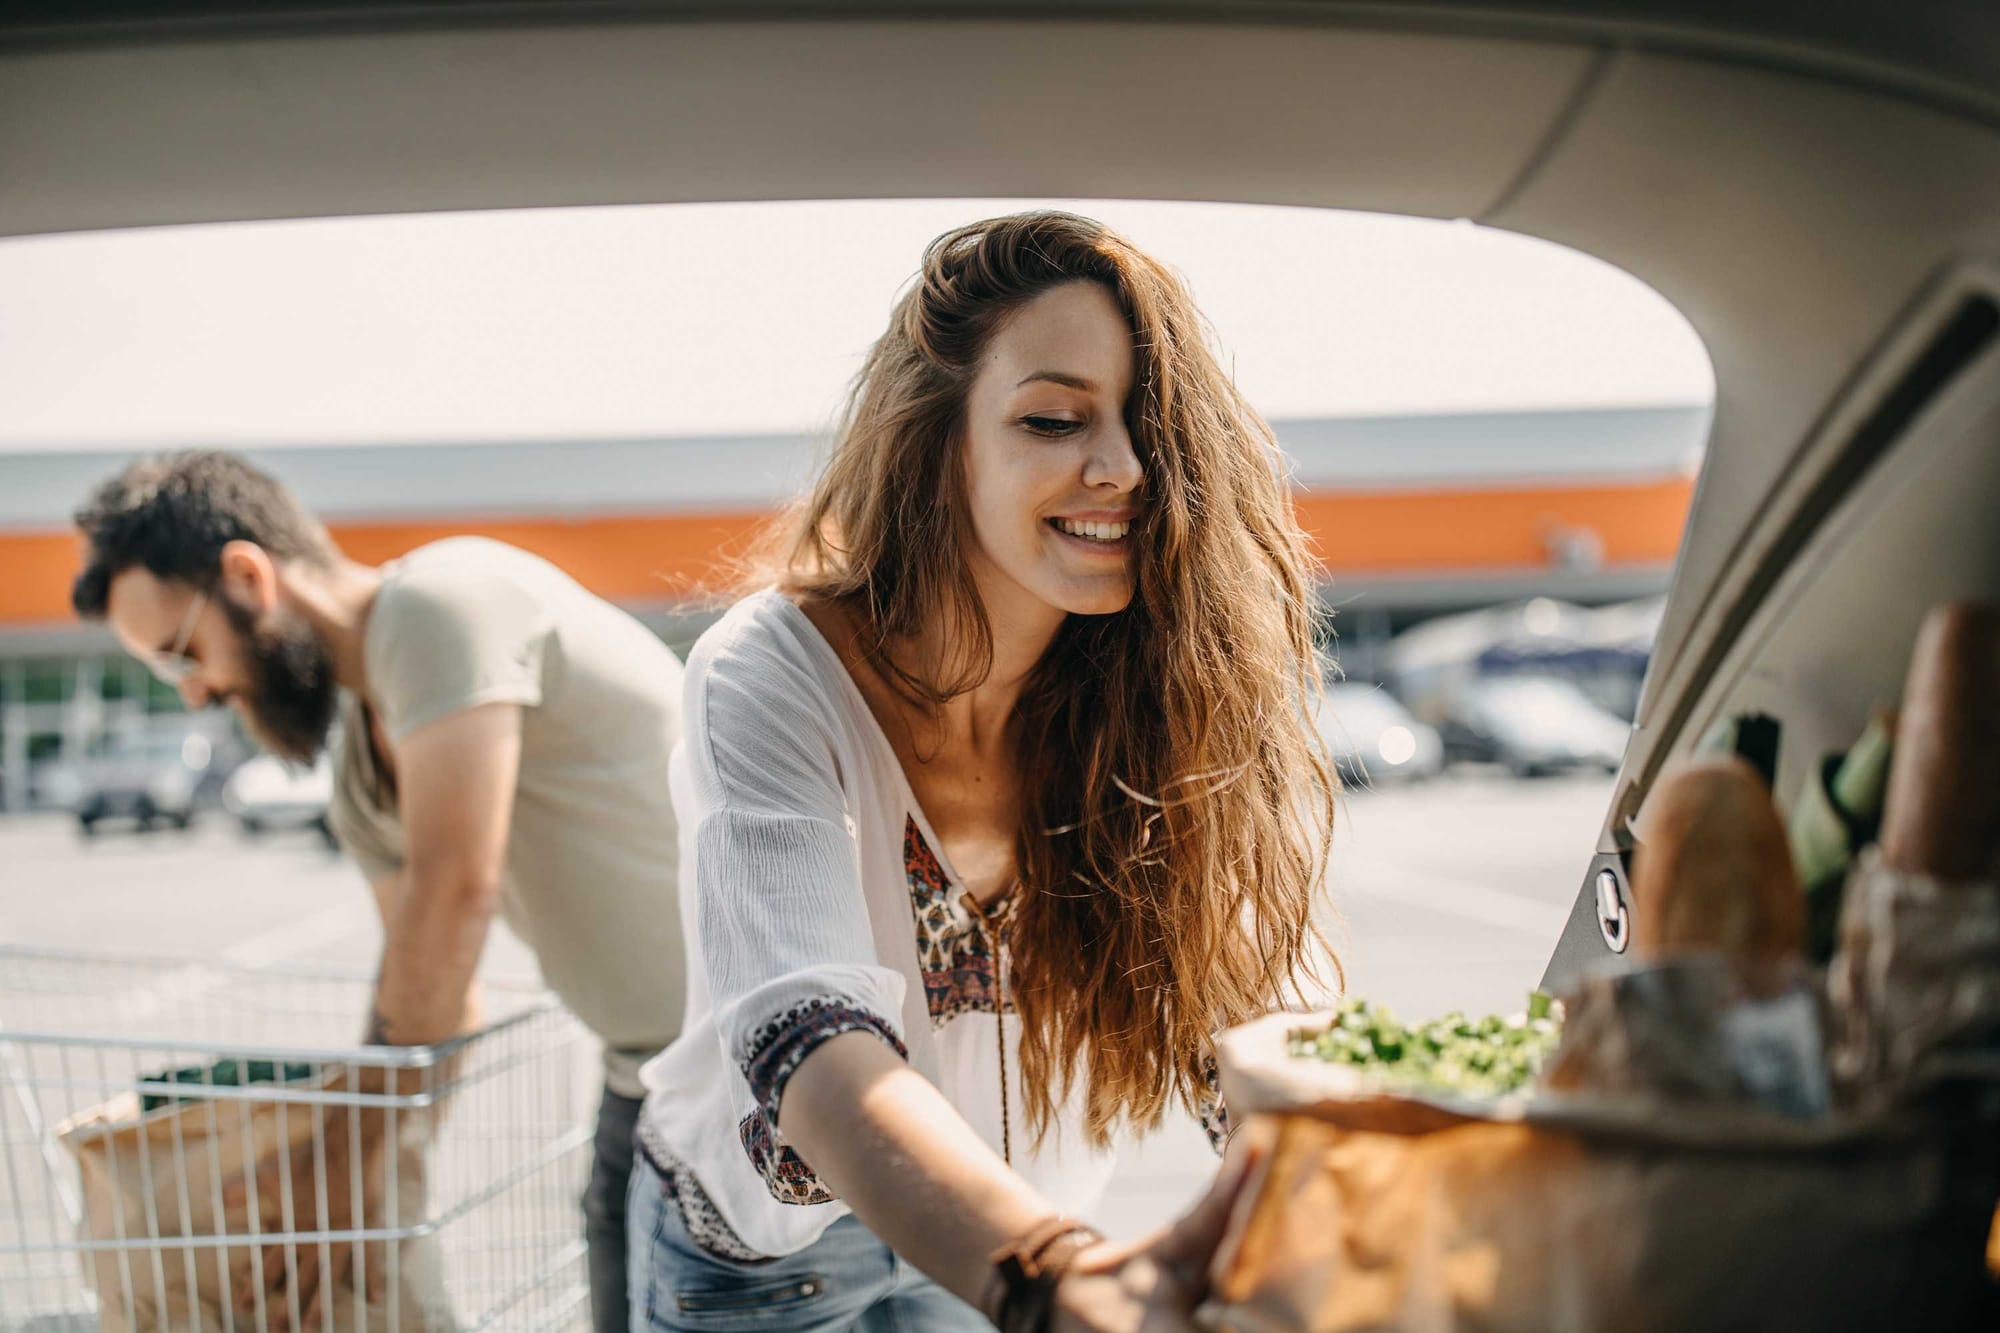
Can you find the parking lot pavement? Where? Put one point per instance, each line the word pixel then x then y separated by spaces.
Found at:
pixel 211 892
pixel 1444 895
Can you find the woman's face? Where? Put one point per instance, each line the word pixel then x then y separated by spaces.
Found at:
pixel 1050 475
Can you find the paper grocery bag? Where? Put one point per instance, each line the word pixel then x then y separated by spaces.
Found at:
pixel 1509 1226
pixel 1366 1231
pixel 1654 1207
pixel 154 1176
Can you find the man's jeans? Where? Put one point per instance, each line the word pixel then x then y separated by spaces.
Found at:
pixel 846 1281
pixel 604 1211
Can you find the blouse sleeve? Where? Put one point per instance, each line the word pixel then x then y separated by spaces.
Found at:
pixel 1210 1107
pixel 786 939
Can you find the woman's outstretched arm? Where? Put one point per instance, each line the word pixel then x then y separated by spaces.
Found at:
pixel 889 1144
pixel 895 1151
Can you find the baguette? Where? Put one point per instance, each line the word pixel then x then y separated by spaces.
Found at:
pixel 1942 813
pixel 1714 869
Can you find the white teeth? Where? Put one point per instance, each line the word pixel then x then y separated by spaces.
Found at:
pixel 1103 532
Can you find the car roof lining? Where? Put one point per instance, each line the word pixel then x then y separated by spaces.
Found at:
pixel 410 121
pixel 1942 50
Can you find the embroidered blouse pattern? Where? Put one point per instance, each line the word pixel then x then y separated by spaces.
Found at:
pixel 1212 1110
pixel 784 1171
pixel 776 1052
pixel 699 1215
pixel 961 974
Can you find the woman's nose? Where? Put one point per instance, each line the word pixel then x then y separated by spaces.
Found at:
pixel 1112 462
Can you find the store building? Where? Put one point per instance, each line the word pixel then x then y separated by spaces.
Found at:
pixel 1410 516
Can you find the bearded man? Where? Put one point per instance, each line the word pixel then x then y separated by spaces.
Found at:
pixel 503 751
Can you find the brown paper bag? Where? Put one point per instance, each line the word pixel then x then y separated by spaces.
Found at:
pixel 1512 1226
pixel 1690 1165
pixel 176 1161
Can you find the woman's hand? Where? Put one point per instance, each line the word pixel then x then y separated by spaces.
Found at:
pixel 1154 1285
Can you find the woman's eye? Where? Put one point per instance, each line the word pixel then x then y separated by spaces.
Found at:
pixel 1054 427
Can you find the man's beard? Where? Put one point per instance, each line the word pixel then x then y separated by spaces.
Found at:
pixel 290 703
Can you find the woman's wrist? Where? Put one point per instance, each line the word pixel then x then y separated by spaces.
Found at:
pixel 1020 1296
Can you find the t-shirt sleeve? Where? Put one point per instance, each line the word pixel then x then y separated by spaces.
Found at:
pixel 786 938
pixel 357 826
pixel 450 638
pixel 357 837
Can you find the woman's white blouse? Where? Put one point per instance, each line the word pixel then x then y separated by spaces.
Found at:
pixel 816 902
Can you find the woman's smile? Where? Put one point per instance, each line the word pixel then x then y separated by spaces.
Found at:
pixel 1098 538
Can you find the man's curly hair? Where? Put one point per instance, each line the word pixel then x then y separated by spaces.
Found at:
pixel 173 514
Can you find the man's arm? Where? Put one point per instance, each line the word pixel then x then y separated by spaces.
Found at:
pixel 455 780
pixel 390 892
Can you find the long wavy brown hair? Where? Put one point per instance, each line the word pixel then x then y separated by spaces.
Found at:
pixel 1174 828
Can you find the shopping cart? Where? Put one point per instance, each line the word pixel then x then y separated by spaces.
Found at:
pixel 134 1093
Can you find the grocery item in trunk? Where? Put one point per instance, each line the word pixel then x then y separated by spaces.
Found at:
pixel 1838 812
pixel 1916 981
pixel 1697 1031
pixel 1713 868
pixel 1943 810
pixel 1727 1013
pixel 1453 1054
pixel 1585 1211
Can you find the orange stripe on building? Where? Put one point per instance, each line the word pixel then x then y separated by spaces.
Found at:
pixel 657 558
pixel 654 558
pixel 1419 532
pixel 35 573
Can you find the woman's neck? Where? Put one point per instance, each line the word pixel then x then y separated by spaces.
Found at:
pixel 980 717
pixel 1022 627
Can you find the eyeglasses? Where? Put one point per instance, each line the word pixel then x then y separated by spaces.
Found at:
pixel 174 666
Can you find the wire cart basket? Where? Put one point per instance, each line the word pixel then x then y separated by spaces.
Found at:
pixel 172 1134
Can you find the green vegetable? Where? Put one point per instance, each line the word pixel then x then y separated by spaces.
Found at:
pixel 222 1074
pixel 1467 1057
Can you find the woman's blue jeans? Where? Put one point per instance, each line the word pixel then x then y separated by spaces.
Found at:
pixel 847 1279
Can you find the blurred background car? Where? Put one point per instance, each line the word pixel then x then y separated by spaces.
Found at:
pixel 1533 725
pixel 268 795
pixel 1602 650
pixel 152 779
pixel 1373 739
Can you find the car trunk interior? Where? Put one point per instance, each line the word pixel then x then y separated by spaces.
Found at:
pixel 1820 197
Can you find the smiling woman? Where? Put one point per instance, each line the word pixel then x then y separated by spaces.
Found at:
pixel 1030 690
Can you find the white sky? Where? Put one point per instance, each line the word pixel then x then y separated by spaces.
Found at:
pixel 703 319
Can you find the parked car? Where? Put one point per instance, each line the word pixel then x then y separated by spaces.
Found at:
pixel 1533 725
pixel 157 779
pixel 269 795
pixel 1372 737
